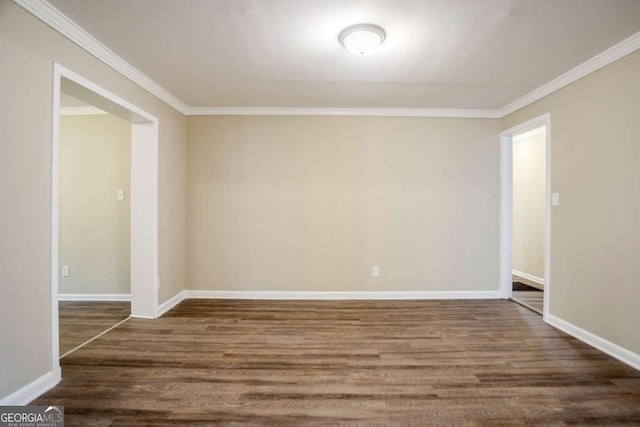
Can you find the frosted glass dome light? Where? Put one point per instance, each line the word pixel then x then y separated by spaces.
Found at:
pixel 362 39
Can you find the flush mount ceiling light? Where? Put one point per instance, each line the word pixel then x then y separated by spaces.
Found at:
pixel 362 39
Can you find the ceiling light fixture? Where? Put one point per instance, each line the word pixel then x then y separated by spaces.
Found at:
pixel 362 39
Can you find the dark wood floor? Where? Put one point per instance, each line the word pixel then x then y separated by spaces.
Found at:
pixel 79 321
pixel 369 363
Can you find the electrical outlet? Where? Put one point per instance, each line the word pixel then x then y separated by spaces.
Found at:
pixel 65 271
pixel 375 271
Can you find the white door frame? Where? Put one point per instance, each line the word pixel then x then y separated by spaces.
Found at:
pixel 506 208
pixel 144 205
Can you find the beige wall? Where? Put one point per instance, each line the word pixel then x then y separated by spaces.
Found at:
pixel 595 231
pixel 312 203
pixel 28 49
pixel 95 161
pixel 529 188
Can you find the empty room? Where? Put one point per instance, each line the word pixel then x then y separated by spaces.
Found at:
pixel 320 212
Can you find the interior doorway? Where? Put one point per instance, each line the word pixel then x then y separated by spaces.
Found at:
pixel 529 186
pixel 94 221
pixel 142 239
pixel 526 213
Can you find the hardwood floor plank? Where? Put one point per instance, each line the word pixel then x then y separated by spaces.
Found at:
pixel 344 363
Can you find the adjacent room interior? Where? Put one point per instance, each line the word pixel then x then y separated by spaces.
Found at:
pixel 321 213
pixel 529 222
pixel 94 228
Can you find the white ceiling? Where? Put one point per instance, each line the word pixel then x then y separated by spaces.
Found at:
pixel 466 54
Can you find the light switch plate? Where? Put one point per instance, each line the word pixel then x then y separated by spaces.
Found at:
pixel 120 195
pixel 555 199
pixel 375 271
pixel 65 271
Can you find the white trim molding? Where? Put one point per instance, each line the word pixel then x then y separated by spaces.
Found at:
pixel 536 279
pixel 341 295
pixel 605 58
pixel 65 26
pixel 170 303
pixel 94 297
pixel 31 391
pixel 337 111
pixel 62 71
pixel 614 350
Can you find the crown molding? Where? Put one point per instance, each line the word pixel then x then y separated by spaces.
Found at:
pixel 605 58
pixel 65 26
pixel 331 111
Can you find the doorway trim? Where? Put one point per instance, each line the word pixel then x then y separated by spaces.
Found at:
pixel 506 208
pixel 144 205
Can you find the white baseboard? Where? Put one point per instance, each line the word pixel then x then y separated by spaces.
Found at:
pixel 536 279
pixel 341 295
pixel 32 390
pixel 170 303
pixel 306 295
pixel 94 297
pixel 614 350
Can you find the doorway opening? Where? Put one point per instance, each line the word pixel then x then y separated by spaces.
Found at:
pixel 94 177
pixel 526 214
pixel 125 220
